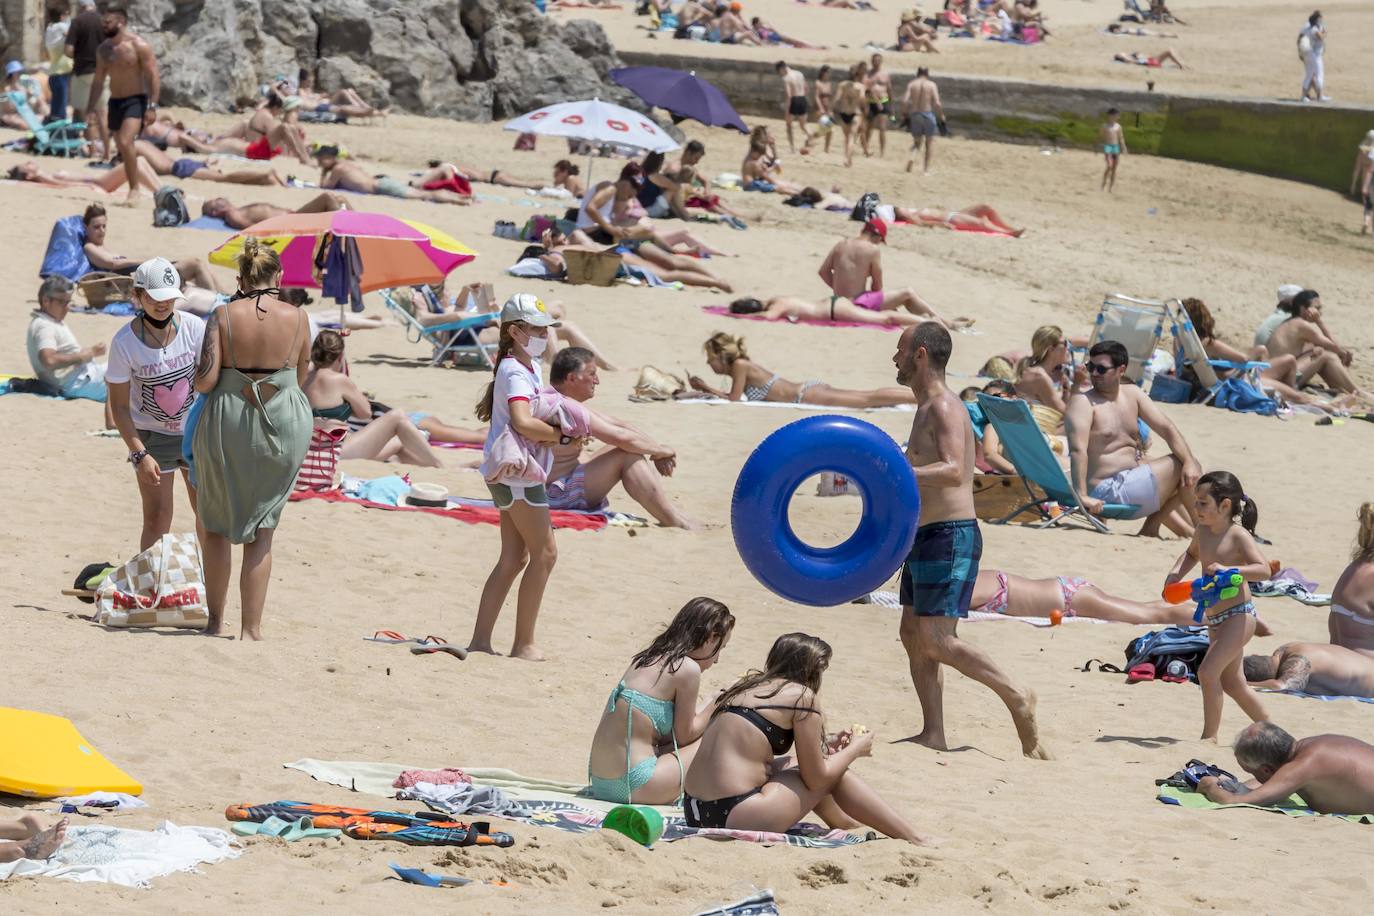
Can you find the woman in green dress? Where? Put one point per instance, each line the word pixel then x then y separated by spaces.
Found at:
pixel 252 432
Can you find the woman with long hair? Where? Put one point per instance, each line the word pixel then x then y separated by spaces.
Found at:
pixel 1351 621
pixel 736 780
pixel 252 433
pixel 726 355
pixel 1045 376
pixel 654 705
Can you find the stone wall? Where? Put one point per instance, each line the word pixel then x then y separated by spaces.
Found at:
pixel 1311 143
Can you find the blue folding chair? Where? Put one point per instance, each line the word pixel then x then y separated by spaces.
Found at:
pixel 1190 352
pixel 456 339
pixel 1026 448
pixel 55 138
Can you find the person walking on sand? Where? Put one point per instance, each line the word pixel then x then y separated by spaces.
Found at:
pixel 794 104
pixel 922 104
pixel 1312 53
pixel 1113 140
pixel 878 89
pixel 135 86
pixel 526 534
pixel 938 576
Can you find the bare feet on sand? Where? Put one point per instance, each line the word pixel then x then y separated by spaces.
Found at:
pixel 529 652
pixel 1023 714
pixel 931 739
pixel 482 647
pixel 43 843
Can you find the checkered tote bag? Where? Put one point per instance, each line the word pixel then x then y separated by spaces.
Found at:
pixel 161 587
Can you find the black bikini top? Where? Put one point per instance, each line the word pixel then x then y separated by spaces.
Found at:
pixel 779 738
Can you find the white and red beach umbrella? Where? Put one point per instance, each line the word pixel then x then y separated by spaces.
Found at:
pixel 597 122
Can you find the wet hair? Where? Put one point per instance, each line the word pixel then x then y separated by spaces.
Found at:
pixel 1364 540
pixel 653 163
pixel 935 340
pixel 795 658
pixel 1263 744
pixel 998 367
pixel 1299 302
pixel 701 622
pixel 823 72
pixel 504 348
pixel 567 168
pixel 728 347
pixel 93 212
pixel 695 146
pixel 1201 317
pixel 1224 485
pixel 746 307
pixel 811 196
pixel 1112 348
pixel 1258 667
pixel 53 286
pixel 1045 339
pixel 999 385
pixel 568 361
pixel 327 348
pixel 258 264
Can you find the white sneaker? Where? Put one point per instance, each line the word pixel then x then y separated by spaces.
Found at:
pixel 1326 98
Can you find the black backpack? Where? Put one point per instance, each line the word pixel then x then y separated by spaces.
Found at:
pixel 169 208
pixel 866 207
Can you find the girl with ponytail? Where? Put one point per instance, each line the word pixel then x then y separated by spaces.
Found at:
pixel 526 533
pixel 1219 544
pixel 1351 621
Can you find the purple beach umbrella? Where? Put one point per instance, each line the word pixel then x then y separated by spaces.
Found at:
pixel 684 95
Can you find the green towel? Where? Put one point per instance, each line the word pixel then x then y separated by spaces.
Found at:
pixel 1294 806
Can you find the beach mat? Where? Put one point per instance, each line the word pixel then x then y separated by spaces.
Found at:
pixel 560 804
pixel 893 600
pixel 212 223
pixel 724 311
pixel 902 408
pixel 476 514
pixel 1316 696
pixel 1293 807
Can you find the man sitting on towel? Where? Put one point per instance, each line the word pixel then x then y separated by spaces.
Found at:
pixel 574 484
pixel 56 358
pixel 1309 667
pixel 1105 454
pixel 1333 774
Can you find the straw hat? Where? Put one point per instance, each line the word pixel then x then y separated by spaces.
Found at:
pixel 430 495
pixel 908 15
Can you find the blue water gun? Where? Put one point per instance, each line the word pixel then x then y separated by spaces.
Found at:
pixel 1208 591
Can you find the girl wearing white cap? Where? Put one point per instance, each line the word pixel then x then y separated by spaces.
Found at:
pixel 526 533
pixel 150 379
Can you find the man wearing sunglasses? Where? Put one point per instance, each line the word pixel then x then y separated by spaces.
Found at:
pixel 1106 459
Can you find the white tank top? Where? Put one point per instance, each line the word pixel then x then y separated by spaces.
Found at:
pixel 586 222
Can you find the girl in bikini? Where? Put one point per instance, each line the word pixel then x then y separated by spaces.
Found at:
pixel 981 217
pixel 655 705
pixel 1219 543
pixel 739 779
pixel 749 381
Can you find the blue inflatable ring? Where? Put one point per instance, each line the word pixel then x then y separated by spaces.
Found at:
pixel 825 576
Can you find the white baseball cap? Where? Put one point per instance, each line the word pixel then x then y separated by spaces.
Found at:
pixel 1288 291
pixel 528 308
pixel 159 279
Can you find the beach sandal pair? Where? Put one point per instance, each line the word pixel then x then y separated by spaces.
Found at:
pixel 425 879
pixel 425 646
pixel 291 831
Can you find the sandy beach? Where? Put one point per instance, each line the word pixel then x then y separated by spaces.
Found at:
pixel 208 723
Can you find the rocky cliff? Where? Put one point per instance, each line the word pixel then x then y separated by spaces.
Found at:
pixel 470 59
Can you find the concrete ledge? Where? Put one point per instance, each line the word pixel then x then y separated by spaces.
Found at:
pixel 1310 143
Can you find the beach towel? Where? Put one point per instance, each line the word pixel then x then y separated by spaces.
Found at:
pixel 213 223
pixel 473 512
pixel 18 384
pixel 893 600
pixel 905 408
pixel 465 798
pixel 759 903
pixel 422 828
pixel 724 311
pixel 1317 696
pixel 1293 807
pixel 131 858
pixel 65 256
pixel 561 805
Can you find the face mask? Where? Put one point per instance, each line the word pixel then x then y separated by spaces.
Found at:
pixel 158 323
pixel 534 346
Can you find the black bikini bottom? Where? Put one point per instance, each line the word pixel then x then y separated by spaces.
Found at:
pixel 713 813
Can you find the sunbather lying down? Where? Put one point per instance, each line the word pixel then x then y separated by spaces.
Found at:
pixel 105 180
pixel 249 214
pixel 726 355
pixel 203 170
pixel 1159 60
pixel 978 216
pixel 26 838
pixel 793 308
pixel 667 266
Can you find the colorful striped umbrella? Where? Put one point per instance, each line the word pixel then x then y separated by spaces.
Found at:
pixel 394 252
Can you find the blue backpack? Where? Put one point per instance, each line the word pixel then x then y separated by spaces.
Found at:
pixel 1189 644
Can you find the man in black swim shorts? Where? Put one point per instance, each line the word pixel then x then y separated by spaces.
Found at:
pixel 128 61
pixel 794 102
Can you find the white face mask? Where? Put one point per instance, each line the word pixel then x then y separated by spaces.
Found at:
pixel 534 346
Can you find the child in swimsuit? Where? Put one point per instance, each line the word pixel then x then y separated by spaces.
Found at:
pixel 1219 543
pixel 661 685
pixel 1113 145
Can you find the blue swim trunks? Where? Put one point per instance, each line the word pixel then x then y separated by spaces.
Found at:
pixel 938 576
pixel 185 168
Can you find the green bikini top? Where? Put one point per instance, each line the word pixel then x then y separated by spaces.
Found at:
pixel 660 712
pixel 340 411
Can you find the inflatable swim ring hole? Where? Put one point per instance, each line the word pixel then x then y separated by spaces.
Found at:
pixel 824 521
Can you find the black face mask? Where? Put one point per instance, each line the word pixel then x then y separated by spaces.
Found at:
pixel 158 323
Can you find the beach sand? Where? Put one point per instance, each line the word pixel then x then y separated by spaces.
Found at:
pixel 204 724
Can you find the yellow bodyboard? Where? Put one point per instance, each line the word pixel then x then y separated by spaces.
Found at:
pixel 44 756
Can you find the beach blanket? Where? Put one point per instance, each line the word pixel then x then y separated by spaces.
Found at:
pixel 1317 696
pixel 131 858
pixel 724 311
pixel 213 223
pixel 907 408
pixel 560 805
pixel 1293 807
pixel 893 600
pixel 112 309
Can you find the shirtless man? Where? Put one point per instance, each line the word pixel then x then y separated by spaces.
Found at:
pixel 938 576
pixel 923 107
pixel 1104 448
pixel 250 214
pixel 128 61
pixel 575 484
pixel 202 169
pixel 1310 667
pixel 794 104
pixel 854 270
pixel 1319 357
pixel 733 31
pixel 878 85
pixel 1333 774
pixel 349 176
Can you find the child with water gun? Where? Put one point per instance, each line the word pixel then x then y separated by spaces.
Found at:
pixel 1229 558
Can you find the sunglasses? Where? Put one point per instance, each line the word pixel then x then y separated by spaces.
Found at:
pixel 1099 369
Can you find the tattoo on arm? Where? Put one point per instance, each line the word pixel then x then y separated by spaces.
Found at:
pixel 209 346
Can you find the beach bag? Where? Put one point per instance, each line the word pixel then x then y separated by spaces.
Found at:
pixel 1187 644
pixel 1243 397
pixel 591 268
pixel 169 208
pixel 657 385
pixel 163 586
pixel 866 207
pixel 1304 45
pixel 319 468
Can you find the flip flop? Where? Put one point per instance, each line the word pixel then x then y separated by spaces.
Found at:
pixel 425 879
pixel 391 637
pixel 431 644
pixel 273 826
pixel 300 829
pixel 1145 671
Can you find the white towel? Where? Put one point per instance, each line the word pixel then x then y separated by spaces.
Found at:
pixel 131 858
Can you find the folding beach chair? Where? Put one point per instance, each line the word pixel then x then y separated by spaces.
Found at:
pixel 1137 324
pixel 1025 446
pixel 56 138
pixel 1189 351
pixel 455 339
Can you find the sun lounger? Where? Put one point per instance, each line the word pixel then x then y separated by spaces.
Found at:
pixel 1024 445
pixel 456 339
pixel 1137 324
pixel 56 138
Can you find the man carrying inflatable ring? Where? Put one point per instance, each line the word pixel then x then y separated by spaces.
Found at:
pixel 938 575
